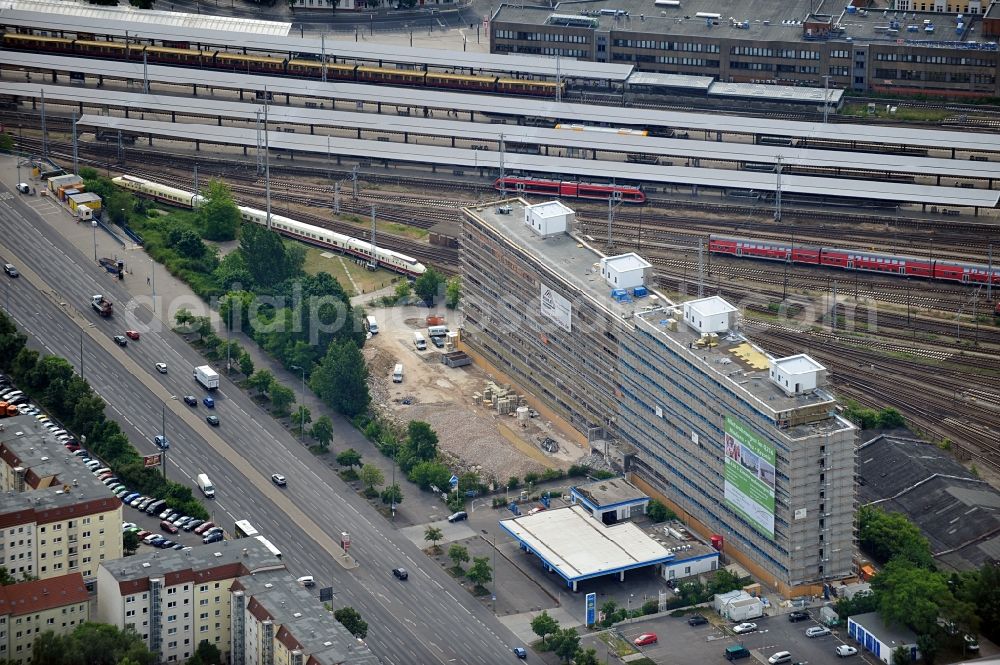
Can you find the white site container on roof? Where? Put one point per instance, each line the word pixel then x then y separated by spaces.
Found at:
pixel 710 315
pixel 625 271
pixel 797 374
pixel 547 219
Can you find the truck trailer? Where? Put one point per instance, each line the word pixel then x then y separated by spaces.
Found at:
pixel 207 377
pixel 102 305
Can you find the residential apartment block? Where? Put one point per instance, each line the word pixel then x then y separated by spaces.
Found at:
pixel 742 444
pixel 27 609
pixel 55 516
pixel 909 46
pixel 177 599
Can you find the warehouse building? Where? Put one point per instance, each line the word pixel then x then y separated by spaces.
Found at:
pixel 922 46
pixel 744 446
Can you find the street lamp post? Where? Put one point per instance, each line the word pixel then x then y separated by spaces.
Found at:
pixel 163 433
pixel 93 225
pixel 302 412
pixel 152 279
pixel 494 541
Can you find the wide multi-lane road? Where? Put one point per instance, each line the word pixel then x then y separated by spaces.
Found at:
pixel 427 619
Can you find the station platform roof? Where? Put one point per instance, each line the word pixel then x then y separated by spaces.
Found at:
pixel 512 106
pixel 601 141
pixel 71 12
pixel 586 169
pixel 57 21
pixel 578 547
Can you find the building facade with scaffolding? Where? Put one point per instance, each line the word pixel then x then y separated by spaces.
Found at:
pixel 745 446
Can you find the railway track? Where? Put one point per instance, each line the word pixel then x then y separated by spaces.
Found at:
pixel 834 350
pixel 877 380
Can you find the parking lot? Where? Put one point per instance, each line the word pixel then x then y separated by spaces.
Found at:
pixel 151 523
pixel 677 642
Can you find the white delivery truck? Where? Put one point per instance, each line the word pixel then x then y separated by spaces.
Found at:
pixel 419 341
pixel 205 485
pixel 397 373
pixel 207 377
pixel 372 325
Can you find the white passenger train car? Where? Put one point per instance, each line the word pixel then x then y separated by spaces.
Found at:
pixel 291 228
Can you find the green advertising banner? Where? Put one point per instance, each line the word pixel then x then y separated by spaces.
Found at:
pixel 749 476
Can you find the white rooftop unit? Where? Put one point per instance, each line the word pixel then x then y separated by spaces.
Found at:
pixel 625 271
pixel 797 374
pixel 710 315
pixel 549 219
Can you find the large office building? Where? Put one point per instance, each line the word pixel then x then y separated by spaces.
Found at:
pixel 742 444
pixel 28 609
pixel 237 595
pixel 55 516
pixel 904 46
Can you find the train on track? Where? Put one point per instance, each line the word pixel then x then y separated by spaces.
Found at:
pixel 947 270
pixel 188 55
pixel 625 131
pixel 313 235
pixel 572 190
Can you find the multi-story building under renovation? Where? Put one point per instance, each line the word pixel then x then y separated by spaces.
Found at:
pixel 745 446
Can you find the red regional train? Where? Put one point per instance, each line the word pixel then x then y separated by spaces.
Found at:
pixel 851 259
pixel 574 190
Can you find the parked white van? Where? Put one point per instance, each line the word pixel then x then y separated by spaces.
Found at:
pixel 372 325
pixel 437 331
pixel 419 341
pixel 397 373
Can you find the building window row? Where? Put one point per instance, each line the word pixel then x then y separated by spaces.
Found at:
pixel 786 53
pixel 752 66
pixel 690 62
pixel 935 59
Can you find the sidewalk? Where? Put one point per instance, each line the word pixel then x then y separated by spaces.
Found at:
pixel 172 294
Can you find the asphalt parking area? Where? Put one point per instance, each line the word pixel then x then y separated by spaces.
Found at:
pixel 678 642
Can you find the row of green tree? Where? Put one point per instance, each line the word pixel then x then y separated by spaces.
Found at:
pixel 52 383
pixel 563 642
pixel 939 607
pixel 315 328
pixel 872 419
pixel 104 644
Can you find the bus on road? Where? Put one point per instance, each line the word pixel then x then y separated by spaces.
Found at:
pixel 243 529
pixel 267 543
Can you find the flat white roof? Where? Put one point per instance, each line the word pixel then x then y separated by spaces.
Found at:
pixel 710 306
pixel 550 209
pixel 799 364
pixel 152 18
pixel 626 262
pixel 578 546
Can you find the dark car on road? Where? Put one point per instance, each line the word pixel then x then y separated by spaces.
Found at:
pixel 212 420
pixel 10 270
pixel 121 340
pixel 799 615
pixel 400 573
pixel 697 620
pixel 191 400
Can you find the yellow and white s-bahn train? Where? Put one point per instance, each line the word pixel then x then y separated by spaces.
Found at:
pixel 314 235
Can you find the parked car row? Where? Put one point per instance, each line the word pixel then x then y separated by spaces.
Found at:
pixel 171 521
